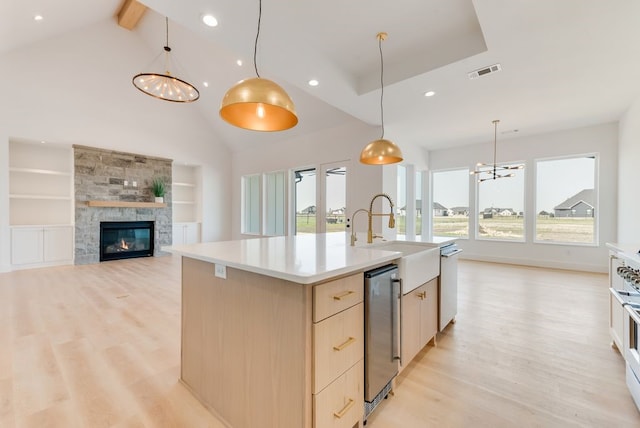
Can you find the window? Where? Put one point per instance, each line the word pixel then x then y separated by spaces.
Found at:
pixel 419 176
pixel 251 204
pixel 401 203
pixel 450 211
pixel 305 200
pixel 566 200
pixel 501 208
pixel 275 203
pixel 327 213
pixel 335 197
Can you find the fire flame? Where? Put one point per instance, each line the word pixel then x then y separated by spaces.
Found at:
pixel 124 245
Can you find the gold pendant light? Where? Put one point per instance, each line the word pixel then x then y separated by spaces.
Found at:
pixel 258 104
pixel 381 151
pixel 165 86
pixel 492 172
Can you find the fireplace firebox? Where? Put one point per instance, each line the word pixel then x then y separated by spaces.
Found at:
pixel 125 239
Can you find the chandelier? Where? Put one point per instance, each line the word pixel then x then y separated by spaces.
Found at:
pixel 164 86
pixel 491 172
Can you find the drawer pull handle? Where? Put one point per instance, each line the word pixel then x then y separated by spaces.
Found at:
pixel 349 341
pixel 345 409
pixel 422 295
pixel 343 295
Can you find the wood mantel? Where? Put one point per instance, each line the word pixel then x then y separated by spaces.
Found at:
pixel 125 204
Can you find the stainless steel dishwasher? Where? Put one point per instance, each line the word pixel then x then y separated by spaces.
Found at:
pixel 448 285
pixel 383 291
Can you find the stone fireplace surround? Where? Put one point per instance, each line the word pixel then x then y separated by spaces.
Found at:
pixel 99 175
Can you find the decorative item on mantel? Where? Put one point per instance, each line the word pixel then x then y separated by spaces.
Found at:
pixel 494 171
pixel 158 190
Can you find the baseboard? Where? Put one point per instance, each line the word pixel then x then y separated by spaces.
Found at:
pixel 584 267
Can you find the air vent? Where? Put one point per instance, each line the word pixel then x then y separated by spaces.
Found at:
pixel 484 71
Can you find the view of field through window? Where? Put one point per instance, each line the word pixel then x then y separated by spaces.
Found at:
pixel 565 203
pixel 306 201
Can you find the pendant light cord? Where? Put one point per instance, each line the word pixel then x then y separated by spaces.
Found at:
pixel 381 86
pixel 255 46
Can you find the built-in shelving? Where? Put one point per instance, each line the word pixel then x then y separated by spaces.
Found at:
pixel 185 188
pixel 41 203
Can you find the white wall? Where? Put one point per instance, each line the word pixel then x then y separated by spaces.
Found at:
pixel 76 89
pixel 601 139
pixel 629 177
pixel 331 145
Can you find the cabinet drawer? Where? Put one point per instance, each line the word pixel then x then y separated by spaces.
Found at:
pixel 338 343
pixel 341 404
pixel 335 296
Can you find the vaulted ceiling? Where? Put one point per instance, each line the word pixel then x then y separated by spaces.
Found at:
pixel 564 63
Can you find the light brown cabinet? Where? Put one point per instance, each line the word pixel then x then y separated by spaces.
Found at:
pixel 419 319
pixel 338 352
pixel 267 352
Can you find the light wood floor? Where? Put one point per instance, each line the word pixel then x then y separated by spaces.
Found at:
pixel 99 346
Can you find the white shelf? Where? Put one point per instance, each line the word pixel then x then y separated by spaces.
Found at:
pixel 183 184
pixel 40 184
pixel 40 171
pixel 40 197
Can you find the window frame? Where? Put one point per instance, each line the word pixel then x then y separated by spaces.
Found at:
pixel 244 210
pixel 596 216
pixel 524 238
pixel 470 223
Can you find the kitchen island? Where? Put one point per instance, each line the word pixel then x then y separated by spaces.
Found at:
pixel 272 328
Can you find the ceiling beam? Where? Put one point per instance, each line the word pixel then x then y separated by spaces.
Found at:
pixel 130 14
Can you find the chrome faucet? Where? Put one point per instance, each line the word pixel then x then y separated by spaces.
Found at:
pixel 392 221
pixel 353 225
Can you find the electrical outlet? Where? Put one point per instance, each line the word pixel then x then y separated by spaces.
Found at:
pixel 135 184
pixel 126 183
pixel 221 271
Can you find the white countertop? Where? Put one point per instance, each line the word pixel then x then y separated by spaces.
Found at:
pixel 629 252
pixel 304 259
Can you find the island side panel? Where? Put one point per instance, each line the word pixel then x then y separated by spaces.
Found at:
pixel 246 346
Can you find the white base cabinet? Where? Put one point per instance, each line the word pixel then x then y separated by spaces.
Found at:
pixel 186 233
pixel 33 246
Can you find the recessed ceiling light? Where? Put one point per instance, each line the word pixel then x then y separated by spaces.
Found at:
pixel 43 142
pixel 206 84
pixel 38 18
pixel 313 82
pixel 429 93
pixel 210 20
pixel 239 62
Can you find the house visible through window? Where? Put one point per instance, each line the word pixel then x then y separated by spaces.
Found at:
pixel 566 200
pixel 501 208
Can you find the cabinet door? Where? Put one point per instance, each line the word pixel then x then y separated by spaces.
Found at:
pixel 58 244
pixel 26 245
pixel 192 233
pixel 617 317
pixel 411 306
pixel 615 281
pixel 178 234
pixel 429 312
